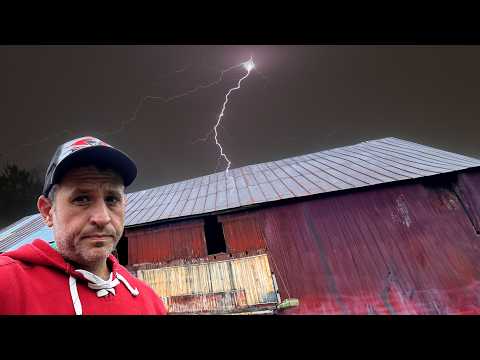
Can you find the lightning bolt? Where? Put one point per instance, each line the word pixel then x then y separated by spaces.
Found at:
pixel 248 65
pixel 124 123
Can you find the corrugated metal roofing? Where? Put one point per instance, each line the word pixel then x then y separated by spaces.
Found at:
pixel 24 231
pixel 364 164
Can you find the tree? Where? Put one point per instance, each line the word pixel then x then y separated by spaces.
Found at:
pixel 19 190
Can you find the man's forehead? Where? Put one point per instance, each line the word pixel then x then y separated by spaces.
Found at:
pixel 91 176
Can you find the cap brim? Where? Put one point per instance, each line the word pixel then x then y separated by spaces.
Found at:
pixel 103 156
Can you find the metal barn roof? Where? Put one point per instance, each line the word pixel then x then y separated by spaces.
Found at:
pixel 24 231
pixel 364 164
pixel 360 165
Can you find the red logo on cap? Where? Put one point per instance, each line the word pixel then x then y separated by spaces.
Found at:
pixel 86 142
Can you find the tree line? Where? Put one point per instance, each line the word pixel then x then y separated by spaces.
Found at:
pixel 19 190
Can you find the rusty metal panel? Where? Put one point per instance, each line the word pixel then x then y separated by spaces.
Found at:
pixel 163 243
pixel 213 286
pixel 468 189
pixel 243 232
pixel 407 249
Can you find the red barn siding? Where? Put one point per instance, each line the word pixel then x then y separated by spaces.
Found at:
pixel 243 232
pixel 181 240
pixel 397 249
pixel 401 250
pixel 468 189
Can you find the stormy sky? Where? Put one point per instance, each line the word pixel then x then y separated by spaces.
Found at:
pixel 299 99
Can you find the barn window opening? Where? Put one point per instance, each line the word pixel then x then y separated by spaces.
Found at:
pixel 121 252
pixel 214 236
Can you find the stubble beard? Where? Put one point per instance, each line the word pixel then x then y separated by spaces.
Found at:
pixel 81 251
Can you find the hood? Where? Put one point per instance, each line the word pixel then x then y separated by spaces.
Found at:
pixel 41 253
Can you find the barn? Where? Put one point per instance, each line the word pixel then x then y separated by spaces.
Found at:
pixel 385 226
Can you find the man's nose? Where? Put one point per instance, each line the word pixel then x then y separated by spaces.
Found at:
pixel 100 215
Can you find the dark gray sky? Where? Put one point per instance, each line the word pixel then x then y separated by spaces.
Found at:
pixel 305 99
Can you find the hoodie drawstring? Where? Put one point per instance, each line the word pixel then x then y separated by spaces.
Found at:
pixel 134 292
pixel 74 293
pixel 97 283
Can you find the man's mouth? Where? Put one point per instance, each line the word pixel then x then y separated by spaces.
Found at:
pixel 98 237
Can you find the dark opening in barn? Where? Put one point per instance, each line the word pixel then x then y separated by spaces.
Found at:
pixel 122 251
pixel 214 236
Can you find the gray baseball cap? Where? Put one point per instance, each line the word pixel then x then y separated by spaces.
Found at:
pixel 86 151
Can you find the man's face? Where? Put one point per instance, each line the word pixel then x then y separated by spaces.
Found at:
pixel 88 214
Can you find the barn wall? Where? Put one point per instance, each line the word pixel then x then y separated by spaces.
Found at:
pixel 160 244
pixel 468 189
pixel 405 249
pixel 397 249
pixel 243 232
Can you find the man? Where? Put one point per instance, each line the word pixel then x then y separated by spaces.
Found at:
pixel 83 201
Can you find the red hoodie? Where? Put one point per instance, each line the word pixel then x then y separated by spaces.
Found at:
pixel 35 279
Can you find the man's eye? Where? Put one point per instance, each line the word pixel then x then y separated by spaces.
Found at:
pixel 81 199
pixel 112 200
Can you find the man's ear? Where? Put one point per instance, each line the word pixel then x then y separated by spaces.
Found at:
pixel 45 207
